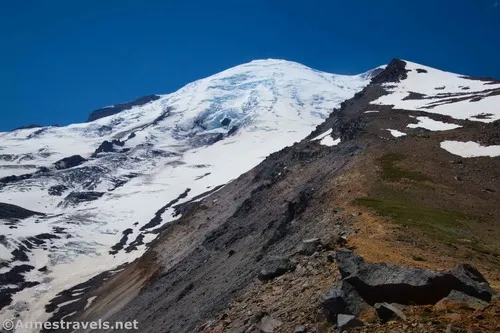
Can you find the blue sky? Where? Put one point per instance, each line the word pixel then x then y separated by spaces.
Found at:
pixel 62 59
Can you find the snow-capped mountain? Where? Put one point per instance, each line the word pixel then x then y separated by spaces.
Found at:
pixel 85 198
pixel 408 166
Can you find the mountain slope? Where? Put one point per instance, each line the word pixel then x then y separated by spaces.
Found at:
pixel 92 195
pixel 385 187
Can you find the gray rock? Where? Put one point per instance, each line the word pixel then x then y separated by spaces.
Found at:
pixel 309 246
pixel 300 329
pixel 386 312
pixel 269 324
pixel 342 299
pixel 348 262
pixel 472 282
pixel 345 322
pixel 458 297
pixel 274 268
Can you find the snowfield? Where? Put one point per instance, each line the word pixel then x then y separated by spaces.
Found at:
pixel 134 168
pixel 439 92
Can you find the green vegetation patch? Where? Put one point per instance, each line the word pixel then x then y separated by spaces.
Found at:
pixel 437 222
pixel 392 172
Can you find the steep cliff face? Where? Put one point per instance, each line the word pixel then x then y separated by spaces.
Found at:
pixel 405 172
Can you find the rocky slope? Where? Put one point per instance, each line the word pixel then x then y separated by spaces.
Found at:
pixel 79 200
pixel 404 173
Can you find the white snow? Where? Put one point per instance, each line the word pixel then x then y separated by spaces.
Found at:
pixel 322 135
pixel 329 141
pixel 371 111
pixel 470 149
pixel 273 103
pixel 396 133
pixel 439 88
pixel 433 125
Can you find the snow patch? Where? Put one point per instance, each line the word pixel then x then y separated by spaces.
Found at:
pixel 443 93
pixel 396 133
pixel 329 141
pixel 470 149
pixel 433 125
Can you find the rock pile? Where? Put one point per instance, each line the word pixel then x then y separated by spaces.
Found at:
pixel 387 289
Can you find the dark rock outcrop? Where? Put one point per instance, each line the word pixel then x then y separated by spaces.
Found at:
pixel 107 147
pixel 69 162
pixel 111 110
pixel 274 268
pixel 394 72
pixel 78 197
pixel 12 179
pixel 8 211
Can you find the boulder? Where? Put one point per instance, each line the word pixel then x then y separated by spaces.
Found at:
pixel 342 299
pixel 345 322
pixel 274 268
pixel 300 329
pixel 382 282
pixel 471 282
pixel 386 312
pixel 269 324
pixel 309 246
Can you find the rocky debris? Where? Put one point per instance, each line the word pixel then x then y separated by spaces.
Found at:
pixel 111 110
pixel 386 312
pixel 75 198
pixel 274 268
pixel 8 211
pixel 69 162
pixel 365 284
pixel 269 324
pixel 460 300
pixel 57 190
pixel 334 242
pixel 345 322
pixel 309 246
pixel 206 139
